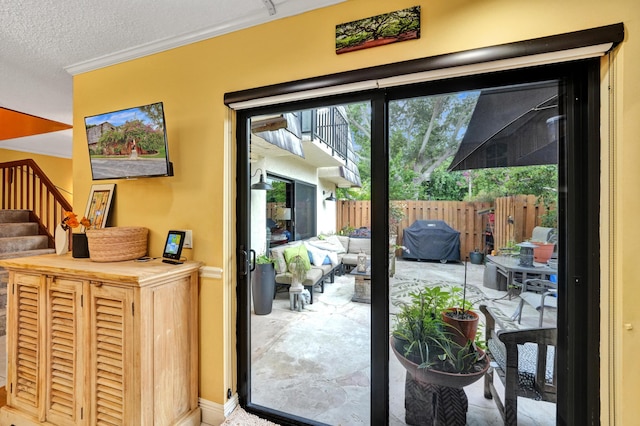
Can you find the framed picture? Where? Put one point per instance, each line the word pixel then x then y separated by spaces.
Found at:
pixel 98 205
pixel 401 25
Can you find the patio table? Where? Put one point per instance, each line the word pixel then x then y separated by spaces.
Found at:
pixel 362 285
pixel 515 274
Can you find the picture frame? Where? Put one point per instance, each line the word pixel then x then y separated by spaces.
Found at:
pixel 393 27
pixel 99 204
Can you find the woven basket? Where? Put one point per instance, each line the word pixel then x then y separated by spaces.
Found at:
pixel 117 243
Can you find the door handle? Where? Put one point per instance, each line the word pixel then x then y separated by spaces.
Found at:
pixel 244 271
pixel 253 259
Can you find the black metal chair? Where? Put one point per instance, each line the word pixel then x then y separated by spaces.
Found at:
pixel 538 293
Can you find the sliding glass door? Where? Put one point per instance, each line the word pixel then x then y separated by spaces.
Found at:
pixel 308 348
pixel 447 186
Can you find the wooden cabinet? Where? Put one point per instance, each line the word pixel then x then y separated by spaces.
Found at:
pixel 101 343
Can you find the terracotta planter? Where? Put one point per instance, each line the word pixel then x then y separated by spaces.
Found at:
pixel 463 329
pixel 543 252
pixel 440 378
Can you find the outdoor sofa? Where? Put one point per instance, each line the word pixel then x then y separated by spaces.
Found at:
pixel 327 256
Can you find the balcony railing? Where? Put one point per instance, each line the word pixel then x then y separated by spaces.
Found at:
pixel 328 125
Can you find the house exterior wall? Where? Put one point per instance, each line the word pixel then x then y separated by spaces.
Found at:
pixel 297 169
pixel 191 81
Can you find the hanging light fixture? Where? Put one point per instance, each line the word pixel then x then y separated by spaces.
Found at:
pixel 330 197
pixel 261 185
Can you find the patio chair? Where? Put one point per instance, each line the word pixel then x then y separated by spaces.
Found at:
pixel 538 293
pixel 524 359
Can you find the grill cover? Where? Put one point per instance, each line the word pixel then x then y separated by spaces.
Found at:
pixel 431 240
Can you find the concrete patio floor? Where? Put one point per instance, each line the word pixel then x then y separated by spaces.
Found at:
pixel 316 363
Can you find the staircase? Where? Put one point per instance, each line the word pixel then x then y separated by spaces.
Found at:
pixel 18 238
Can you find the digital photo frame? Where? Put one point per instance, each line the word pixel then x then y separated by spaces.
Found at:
pixel 173 247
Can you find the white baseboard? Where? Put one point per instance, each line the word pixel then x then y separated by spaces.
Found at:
pixel 214 414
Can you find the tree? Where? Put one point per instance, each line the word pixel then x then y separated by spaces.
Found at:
pixel 428 130
pixel 392 24
pixel 424 134
pixel 536 180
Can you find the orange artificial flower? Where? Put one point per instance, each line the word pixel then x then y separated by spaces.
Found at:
pixel 71 221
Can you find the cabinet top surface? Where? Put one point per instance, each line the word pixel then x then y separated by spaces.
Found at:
pixel 127 271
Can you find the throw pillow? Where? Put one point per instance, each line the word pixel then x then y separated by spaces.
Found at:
pixel 317 256
pixel 299 250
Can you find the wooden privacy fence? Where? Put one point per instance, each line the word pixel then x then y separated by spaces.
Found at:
pixel 514 218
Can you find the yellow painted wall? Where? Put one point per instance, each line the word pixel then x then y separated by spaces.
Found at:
pixel 57 169
pixel 191 81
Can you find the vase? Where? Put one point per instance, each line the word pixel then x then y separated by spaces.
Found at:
pixel 263 285
pixel 62 240
pixel 80 246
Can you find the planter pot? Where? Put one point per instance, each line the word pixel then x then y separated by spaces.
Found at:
pixel 80 247
pixel 464 329
pixel 543 252
pixel 263 287
pixel 440 378
pixel 476 257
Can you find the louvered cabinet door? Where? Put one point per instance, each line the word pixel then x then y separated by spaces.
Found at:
pixel 25 349
pixel 111 356
pixel 65 351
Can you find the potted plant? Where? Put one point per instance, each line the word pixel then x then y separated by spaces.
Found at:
pixel 437 365
pixel 463 321
pixel 298 269
pixel 396 215
pixel 424 339
pixel 263 285
pixel 476 256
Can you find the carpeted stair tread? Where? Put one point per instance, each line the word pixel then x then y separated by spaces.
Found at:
pixel 25 253
pixel 20 229
pixel 14 216
pixel 25 243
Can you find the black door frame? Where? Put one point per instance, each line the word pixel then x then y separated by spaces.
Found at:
pixel 578 231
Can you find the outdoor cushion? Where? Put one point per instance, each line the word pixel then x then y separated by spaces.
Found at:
pixel 300 250
pixel 357 245
pixel 344 240
pixel 313 277
pixel 277 254
pixel 352 259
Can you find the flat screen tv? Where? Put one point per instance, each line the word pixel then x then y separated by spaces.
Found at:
pixel 129 143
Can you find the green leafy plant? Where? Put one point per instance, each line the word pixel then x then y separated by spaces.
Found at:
pixel 298 268
pixel 396 214
pixel 263 259
pixel 347 230
pixel 426 339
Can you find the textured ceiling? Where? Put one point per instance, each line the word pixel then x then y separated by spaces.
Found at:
pixel 42 42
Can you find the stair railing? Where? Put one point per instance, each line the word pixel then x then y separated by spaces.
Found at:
pixel 26 187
